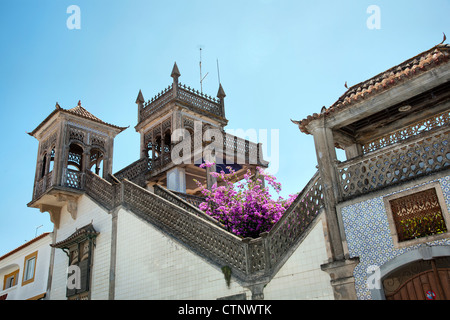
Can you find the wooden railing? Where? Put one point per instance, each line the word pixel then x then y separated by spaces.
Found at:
pixel 416 156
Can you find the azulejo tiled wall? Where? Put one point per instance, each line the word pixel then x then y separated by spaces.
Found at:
pixel 368 235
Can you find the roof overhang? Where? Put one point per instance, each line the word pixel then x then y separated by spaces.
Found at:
pixel 388 90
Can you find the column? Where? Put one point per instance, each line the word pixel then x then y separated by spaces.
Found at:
pixel 339 269
pixel 176 179
pixel 326 158
pixel 210 180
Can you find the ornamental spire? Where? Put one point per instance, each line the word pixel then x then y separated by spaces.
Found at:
pixel 221 93
pixel 140 98
pixel 175 72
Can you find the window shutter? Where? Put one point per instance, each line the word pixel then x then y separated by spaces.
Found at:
pixel 84 276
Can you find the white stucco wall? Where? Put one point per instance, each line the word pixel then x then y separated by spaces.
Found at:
pixel 16 261
pixel 152 266
pixel 301 278
pixel 88 211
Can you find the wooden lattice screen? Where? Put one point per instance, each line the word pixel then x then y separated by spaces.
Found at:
pixel 418 215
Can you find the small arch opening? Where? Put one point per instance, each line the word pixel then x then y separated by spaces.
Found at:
pixel 75 157
pixel 96 161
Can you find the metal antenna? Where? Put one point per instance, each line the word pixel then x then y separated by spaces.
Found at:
pixel 218 72
pixel 35 234
pixel 201 78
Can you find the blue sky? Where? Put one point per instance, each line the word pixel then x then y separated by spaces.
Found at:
pixel 279 60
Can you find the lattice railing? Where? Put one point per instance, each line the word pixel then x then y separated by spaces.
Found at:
pixel 195 100
pixel 189 198
pixel 423 154
pixel 43 185
pixel 199 101
pixel 185 201
pixel 250 259
pixel 156 103
pixel 100 190
pixel 203 237
pixel 410 131
pixel 291 227
pixel 73 179
pixel 244 151
pixel 135 172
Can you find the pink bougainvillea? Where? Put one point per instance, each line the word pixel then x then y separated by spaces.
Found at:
pixel 246 207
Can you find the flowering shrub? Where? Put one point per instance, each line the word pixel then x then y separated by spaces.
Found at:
pixel 246 208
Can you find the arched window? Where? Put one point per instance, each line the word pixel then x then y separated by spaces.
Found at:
pixel 44 165
pixel 96 161
pixel 157 147
pixel 75 159
pixel 52 160
pixel 149 149
pixel 167 142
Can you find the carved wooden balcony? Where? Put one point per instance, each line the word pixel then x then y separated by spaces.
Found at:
pixel 402 156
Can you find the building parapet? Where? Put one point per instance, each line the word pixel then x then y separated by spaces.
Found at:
pixel 418 155
pixel 194 100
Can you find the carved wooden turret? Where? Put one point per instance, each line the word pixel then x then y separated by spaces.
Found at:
pixel 201 120
pixel 71 142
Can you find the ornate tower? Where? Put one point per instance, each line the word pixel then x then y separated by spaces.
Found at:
pixel 71 142
pixel 181 114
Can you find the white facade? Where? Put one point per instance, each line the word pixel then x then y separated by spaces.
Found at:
pixel 88 211
pixel 150 265
pixel 24 271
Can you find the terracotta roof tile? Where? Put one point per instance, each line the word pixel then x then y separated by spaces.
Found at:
pixel 79 234
pixel 382 82
pixel 78 111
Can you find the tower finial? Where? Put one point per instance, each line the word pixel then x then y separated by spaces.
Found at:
pixel 221 93
pixel 175 72
pixel 140 98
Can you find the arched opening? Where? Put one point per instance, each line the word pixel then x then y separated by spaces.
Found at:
pixel 96 161
pixel 422 273
pixel 73 176
pixel 149 149
pixel 44 166
pixel 167 147
pixel 419 280
pixel 75 158
pixel 158 147
pixel 47 163
pixel 52 160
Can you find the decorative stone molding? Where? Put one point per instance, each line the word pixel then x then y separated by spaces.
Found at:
pixel 72 203
pixel 54 211
pixel 342 279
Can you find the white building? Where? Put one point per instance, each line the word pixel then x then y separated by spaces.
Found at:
pixel 24 271
pixel 138 233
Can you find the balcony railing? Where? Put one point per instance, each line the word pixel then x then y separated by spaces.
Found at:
pixel 43 185
pixel 73 179
pixel 416 156
pixel 178 215
pixel 194 100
